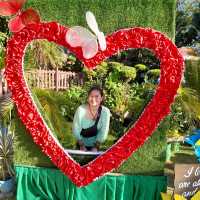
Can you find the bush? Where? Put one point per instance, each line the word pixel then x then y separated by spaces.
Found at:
pixel 184 111
pixel 141 67
pixel 2 58
pixel 72 63
pixel 154 72
pixel 73 98
pixel 153 75
pixel 50 106
pixel 3 38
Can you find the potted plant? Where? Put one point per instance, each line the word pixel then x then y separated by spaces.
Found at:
pixel 6 145
pixel 6 160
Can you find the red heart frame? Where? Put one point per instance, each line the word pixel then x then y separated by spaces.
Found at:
pixel 172 66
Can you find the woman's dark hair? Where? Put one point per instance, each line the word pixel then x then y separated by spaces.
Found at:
pixel 96 87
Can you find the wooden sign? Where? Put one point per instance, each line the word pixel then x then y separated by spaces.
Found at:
pixel 187 179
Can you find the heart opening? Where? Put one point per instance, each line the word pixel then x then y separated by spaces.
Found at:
pixel 59 84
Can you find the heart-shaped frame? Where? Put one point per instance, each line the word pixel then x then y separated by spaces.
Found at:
pixel 171 64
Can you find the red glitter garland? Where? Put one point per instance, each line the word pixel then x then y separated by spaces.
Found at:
pixel 172 66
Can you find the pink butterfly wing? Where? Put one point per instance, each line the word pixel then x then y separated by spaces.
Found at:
pixel 74 37
pixel 15 24
pixel 80 36
pixel 90 48
pixel 10 7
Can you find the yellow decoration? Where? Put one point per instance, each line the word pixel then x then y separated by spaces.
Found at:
pixel 198 142
pixel 166 196
pixel 179 197
pixel 196 196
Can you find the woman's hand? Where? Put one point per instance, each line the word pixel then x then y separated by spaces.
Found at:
pixel 81 145
pixel 94 149
pixel 83 148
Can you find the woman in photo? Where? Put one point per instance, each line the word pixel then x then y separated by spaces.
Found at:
pixel 91 121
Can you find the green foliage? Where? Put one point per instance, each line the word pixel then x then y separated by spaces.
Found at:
pixel 142 59
pixel 6 105
pixel 110 71
pixel 2 58
pixel 141 67
pixel 3 38
pixel 154 72
pixel 4 25
pixel 185 110
pixel 192 74
pixel 99 74
pixel 120 72
pixel 50 104
pixel 6 153
pixel 45 55
pixel 73 98
pixel 72 63
pixel 117 99
pixel 116 96
pixel 188 23
pixel 153 75
pixel 184 114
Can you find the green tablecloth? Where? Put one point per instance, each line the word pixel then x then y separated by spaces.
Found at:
pixel 37 183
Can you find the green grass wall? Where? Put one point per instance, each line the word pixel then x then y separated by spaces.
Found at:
pixel 111 15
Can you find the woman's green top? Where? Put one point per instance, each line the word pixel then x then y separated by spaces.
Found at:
pixel 81 121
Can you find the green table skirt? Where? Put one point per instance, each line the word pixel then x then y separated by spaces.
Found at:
pixel 37 183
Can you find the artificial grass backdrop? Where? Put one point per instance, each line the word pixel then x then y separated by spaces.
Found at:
pixel 111 15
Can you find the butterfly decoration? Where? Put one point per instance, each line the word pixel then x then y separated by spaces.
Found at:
pixel 78 36
pixel 21 18
pixel 179 197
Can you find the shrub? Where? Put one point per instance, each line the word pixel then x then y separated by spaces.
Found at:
pixel 3 38
pixel 141 67
pixel 73 97
pixel 50 104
